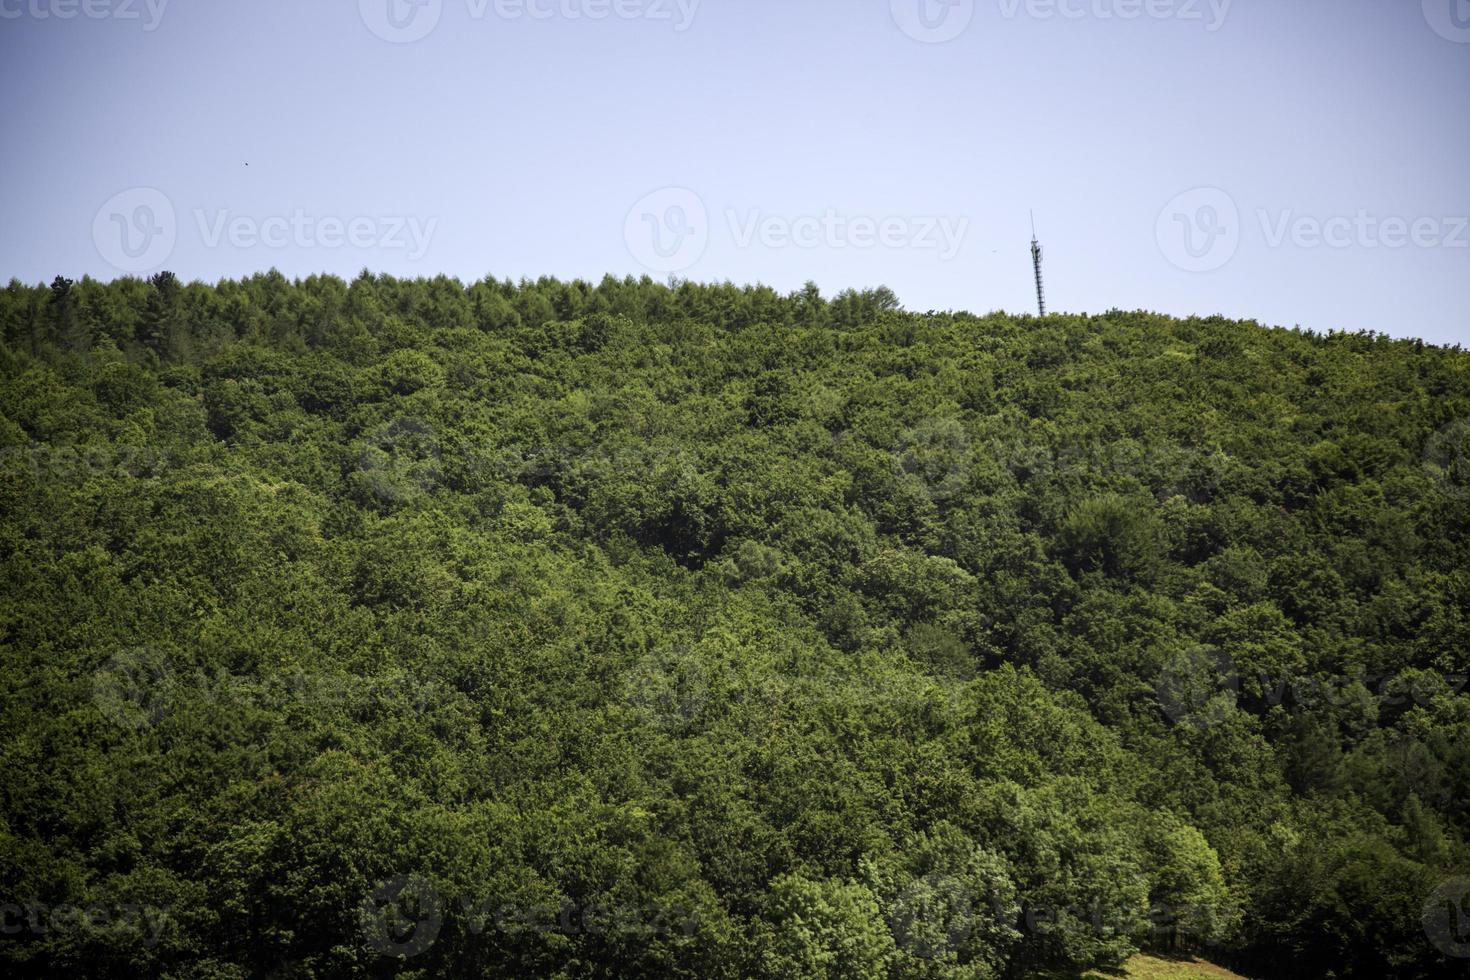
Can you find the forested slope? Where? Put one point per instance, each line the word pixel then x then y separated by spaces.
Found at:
pixel 627 630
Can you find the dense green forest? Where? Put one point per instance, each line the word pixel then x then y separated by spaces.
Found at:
pixel 555 629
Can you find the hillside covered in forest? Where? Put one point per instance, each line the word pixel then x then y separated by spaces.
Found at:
pixel 554 629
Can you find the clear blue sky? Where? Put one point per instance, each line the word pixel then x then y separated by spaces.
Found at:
pixel 1178 153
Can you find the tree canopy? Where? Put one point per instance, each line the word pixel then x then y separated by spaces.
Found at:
pixel 557 629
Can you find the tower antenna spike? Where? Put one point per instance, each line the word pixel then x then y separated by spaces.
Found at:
pixel 1036 264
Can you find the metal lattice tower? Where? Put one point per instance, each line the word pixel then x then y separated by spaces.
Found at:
pixel 1036 264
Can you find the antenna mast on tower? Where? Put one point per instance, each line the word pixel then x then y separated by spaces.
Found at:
pixel 1036 263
